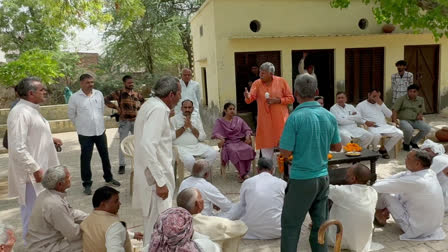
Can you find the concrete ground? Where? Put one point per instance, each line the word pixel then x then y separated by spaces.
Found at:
pixel 10 211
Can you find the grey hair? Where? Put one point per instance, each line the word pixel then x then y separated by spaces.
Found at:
pixel 265 164
pixel 186 69
pixel 305 85
pixel 187 198
pixel 4 237
pixel 26 85
pixel 423 157
pixel 200 168
pixel 165 86
pixel 268 66
pixel 53 176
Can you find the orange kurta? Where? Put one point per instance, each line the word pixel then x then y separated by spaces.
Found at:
pixel 271 117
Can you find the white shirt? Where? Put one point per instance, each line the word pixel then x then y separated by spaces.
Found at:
pixel 261 203
pixel 301 68
pixel 347 118
pixel 116 237
pixel 439 163
pixel 376 113
pixel 30 148
pixel 211 195
pixel 87 113
pixel 354 206
pixel 191 92
pixel 187 143
pixel 153 155
pixel 421 196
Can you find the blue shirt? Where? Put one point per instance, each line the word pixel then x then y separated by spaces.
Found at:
pixel 308 133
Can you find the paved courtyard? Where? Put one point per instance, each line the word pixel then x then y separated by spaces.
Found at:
pixel 10 212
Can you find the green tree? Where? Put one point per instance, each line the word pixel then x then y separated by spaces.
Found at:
pixel 416 15
pixel 151 43
pixel 39 63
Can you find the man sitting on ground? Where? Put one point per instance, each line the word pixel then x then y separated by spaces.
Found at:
pixel 409 109
pixel 103 230
pixel 374 112
pixel 261 203
pixel 414 198
pixel 354 205
pixel 54 224
pixel 226 233
pixel 189 134
pixel 213 198
pixel 7 238
pixel 348 118
pixel 439 165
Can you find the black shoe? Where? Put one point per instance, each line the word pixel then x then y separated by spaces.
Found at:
pixel 406 147
pixel 414 145
pixel 87 190
pixel 121 169
pixel 385 156
pixel 113 182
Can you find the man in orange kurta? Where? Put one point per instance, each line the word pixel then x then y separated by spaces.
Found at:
pixel 273 95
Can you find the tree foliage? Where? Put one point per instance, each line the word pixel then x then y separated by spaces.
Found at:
pixel 39 63
pixel 416 15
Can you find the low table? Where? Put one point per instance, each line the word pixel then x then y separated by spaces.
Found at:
pixel 341 158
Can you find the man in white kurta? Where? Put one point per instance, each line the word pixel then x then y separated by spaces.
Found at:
pixel 354 206
pixel 374 112
pixel 191 90
pixel 189 134
pixel 154 174
pixel 348 119
pixel 224 232
pixel 439 165
pixel 414 199
pixel 211 195
pixel 31 147
pixel 261 203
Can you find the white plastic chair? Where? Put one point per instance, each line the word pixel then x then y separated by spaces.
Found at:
pixel 127 147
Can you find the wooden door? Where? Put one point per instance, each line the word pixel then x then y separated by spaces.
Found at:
pixel 243 63
pixel 423 62
pixel 364 70
pixel 323 61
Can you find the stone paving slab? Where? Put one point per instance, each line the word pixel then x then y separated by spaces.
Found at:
pixel 10 213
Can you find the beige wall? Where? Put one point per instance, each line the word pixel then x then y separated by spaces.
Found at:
pixel 299 25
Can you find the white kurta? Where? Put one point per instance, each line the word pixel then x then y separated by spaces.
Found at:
pixel 153 160
pixel 347 118
pixel 418 201
pixel 30 148
pixel 191 92
pixel 211 195
pixel 187 143
pixel 226 233
pixel 440 163
pixel 354 206
pixel 261 204
pixel 378 114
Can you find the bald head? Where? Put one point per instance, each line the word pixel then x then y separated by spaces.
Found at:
pixel 358 174
pixel 201 169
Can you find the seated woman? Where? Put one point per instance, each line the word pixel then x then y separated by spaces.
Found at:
pixel 235 136
pixel 173 231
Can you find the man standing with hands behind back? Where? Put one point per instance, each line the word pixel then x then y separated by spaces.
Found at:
pixel 154 174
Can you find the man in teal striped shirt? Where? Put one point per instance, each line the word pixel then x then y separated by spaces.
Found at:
pixel 309 134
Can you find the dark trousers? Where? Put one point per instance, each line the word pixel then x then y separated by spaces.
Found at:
pixel 301 197
pixel 86 156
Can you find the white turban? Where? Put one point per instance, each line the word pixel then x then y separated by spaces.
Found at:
pixel 435 147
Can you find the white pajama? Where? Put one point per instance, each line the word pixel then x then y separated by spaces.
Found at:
pixel 189 159
pixel 25 210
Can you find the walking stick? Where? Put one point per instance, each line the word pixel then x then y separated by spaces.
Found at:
pixel 323 228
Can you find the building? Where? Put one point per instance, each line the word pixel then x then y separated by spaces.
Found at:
pixel 349 49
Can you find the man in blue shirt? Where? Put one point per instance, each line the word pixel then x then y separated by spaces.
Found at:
pixel 309 134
